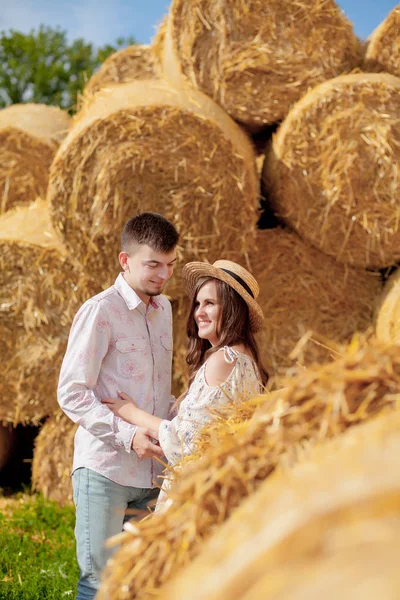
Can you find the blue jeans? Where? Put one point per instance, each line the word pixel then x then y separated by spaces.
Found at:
pixel 100 513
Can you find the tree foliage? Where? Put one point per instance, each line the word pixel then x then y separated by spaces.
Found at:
pixel 44 67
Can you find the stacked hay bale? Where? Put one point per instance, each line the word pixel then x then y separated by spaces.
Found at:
pixel 52 459
pixel 383 49
pixel 40 290
pixel 29 137
pixel 238 52
pixel 133 63
pixel 145 146
pixel 328 527
pixel 180 374
pixel 303 290
pixel 333 170
pixel 236 457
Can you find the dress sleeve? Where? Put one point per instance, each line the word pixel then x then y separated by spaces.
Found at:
pixel 178 437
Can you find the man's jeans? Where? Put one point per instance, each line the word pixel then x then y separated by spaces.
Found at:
pixel 100 513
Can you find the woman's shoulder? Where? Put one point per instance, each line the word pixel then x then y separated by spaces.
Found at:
pixel 219 366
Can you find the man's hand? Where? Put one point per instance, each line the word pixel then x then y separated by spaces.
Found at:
pixel 143 446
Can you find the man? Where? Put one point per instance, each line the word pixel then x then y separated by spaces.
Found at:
pixel 120 341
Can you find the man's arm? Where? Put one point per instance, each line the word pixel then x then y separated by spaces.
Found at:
pixel 88 344
pixel 125 407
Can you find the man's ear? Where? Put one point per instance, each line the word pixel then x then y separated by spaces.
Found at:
pixel 123 260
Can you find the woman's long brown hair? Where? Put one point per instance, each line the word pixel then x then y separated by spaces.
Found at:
pixel 233 328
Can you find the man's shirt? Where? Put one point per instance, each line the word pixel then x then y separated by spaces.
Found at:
pixel 116 344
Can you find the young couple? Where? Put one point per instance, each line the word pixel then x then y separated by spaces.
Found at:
pixel 115 380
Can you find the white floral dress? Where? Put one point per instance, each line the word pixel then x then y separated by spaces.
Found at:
pixel 178 436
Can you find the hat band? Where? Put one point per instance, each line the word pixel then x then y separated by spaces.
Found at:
pixel 239 280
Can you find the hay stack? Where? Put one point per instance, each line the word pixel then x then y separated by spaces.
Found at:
pixel 334 169
pixel 383 50
pixel 180 374
pixel 304 290
pixel 323 529
pixel 387 317
pixel 236 457
pixel 144 146
pixel 40 291
pixel 129 64
pixel 157 43
pixel 52 458
pixel 29 137
pixel 238 52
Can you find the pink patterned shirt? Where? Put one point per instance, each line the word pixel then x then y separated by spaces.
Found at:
pixel 117 343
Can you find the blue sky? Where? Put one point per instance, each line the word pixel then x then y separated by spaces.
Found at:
pixel 102 21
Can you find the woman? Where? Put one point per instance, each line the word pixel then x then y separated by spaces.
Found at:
pixel 223 358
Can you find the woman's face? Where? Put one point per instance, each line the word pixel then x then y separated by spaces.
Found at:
pixel 207 312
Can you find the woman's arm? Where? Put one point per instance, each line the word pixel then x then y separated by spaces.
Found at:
pixel 125 408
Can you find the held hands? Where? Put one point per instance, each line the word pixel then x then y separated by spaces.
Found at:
pixel 123 407
pixel 143 446
pixel 147 432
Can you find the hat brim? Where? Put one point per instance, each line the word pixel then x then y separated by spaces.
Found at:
pixel 194 271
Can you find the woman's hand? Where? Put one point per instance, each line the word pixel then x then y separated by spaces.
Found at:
pixel 123 407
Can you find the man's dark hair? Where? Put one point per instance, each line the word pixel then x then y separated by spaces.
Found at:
pixel 151 229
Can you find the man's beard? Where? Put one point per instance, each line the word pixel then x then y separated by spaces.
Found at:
pixel 151 294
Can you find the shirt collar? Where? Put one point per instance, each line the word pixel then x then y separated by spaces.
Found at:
pixel 131 298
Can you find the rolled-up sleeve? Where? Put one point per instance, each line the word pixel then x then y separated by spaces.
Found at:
pixel 169 440
pixel 177 437
pixel 88 344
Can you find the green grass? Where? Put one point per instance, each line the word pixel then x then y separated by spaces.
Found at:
pixel 37 549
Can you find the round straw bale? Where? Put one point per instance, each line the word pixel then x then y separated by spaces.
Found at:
pixel 387 317
pixel 180 374
pixel 129 64
pixel 256 58
pixel 157 43
pixel 333 169
pixel 52 458
pixel 293 537
pixel 383 50
pixel 236 455
pixel 303 290
pixel 40 290
pixel 145 146
pixel 29 137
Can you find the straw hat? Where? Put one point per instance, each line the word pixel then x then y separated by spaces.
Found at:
pixel 235 276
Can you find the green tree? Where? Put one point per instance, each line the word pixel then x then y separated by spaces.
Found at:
pixel 42 66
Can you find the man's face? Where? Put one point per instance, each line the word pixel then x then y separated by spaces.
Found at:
pixel 146 270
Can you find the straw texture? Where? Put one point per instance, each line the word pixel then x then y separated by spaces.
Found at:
pixel 29 137
pixel 129 64
pixel 387 316
pixel 237 454
pixel 52 458
pixel 383 50
pixel 320 529
pixel 256 58
pixel 40 290
pixel 304 291
pixel 180 374
pixel 144 146
pixel 334 169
